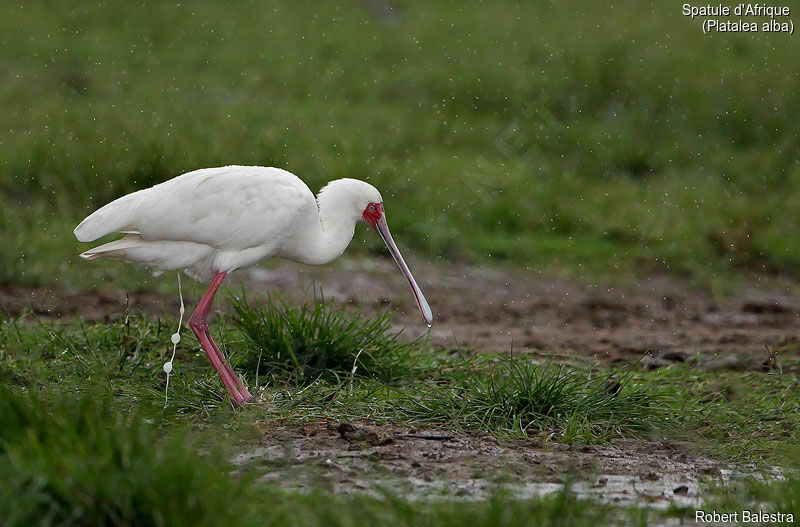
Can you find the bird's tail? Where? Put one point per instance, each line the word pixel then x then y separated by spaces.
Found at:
pixel 113 217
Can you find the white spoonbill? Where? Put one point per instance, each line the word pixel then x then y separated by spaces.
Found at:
pixel 213 221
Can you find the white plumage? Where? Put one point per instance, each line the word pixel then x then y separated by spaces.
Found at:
pixel 217 219
pixel 213 221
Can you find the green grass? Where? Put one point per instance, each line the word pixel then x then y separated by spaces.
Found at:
pixel 88 461
pixel 509 399
pixel 323 340
pixel 562 136
pixel 512 396
pixel 87 441
pixel 87 437
pixel 739 416
pixel 501 395
pixel 81 463
pixel 67 465
pixel 573 138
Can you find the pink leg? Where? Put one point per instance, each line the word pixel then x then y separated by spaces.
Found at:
pixel 242 390
pixel 240 387
pixel 199 325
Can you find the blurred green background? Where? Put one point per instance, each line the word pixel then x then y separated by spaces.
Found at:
pixel 580 139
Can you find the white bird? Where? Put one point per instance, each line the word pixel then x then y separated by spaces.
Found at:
pixel 213 221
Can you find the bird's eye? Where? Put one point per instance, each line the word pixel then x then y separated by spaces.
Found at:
pixel 372 207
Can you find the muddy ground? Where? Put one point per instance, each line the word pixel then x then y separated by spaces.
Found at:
pixel 657 321
pixel 430 464
pixel 661 319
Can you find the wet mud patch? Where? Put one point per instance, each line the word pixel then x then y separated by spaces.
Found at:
pixel 438 464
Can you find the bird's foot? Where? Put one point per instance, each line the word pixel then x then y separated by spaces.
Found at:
pixel 243 395
pixel 242 390
pixel 240 397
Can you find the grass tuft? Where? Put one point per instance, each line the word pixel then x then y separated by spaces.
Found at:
pixel 323 340
pixel 519 397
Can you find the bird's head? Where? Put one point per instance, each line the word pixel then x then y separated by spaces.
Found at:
pixel 368 203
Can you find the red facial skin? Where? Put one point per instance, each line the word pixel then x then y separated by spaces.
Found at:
pixel 373 213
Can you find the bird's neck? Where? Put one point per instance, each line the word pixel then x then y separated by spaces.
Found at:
pixel 328 233
pixel 337 227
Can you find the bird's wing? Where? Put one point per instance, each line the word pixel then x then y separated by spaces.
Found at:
pixel 229 208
